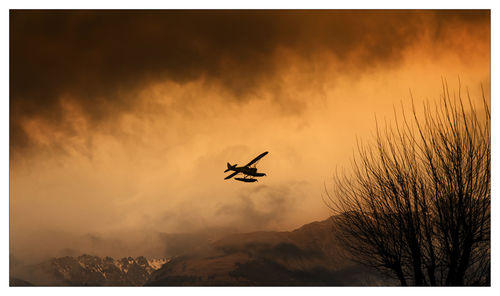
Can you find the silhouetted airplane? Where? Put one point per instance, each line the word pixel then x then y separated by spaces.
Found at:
pixel 247 170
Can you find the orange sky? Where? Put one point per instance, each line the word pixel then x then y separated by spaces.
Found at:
pixel 121 123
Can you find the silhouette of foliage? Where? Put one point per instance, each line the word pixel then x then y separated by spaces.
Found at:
pixel 416 205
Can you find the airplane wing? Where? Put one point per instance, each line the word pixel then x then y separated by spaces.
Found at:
pixel 230 176
pixel 257 158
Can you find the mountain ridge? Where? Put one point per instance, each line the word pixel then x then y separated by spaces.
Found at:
pixel 306 256
pixel 87 270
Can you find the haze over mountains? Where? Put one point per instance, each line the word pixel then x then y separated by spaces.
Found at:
pixel 307 256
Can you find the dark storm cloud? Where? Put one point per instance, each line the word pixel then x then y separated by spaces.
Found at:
pixel 101 58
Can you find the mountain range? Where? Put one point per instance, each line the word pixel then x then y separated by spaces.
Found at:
pixel 307 256
pixel 86 270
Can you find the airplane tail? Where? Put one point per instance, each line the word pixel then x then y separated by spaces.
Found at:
pixel 229 167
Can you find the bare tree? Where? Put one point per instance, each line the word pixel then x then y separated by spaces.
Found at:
pixel 416 205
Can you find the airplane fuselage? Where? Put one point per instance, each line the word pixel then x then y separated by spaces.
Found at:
pixel 248 171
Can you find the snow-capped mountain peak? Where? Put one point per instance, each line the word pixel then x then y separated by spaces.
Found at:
pixel 88 270
pixel 157 263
